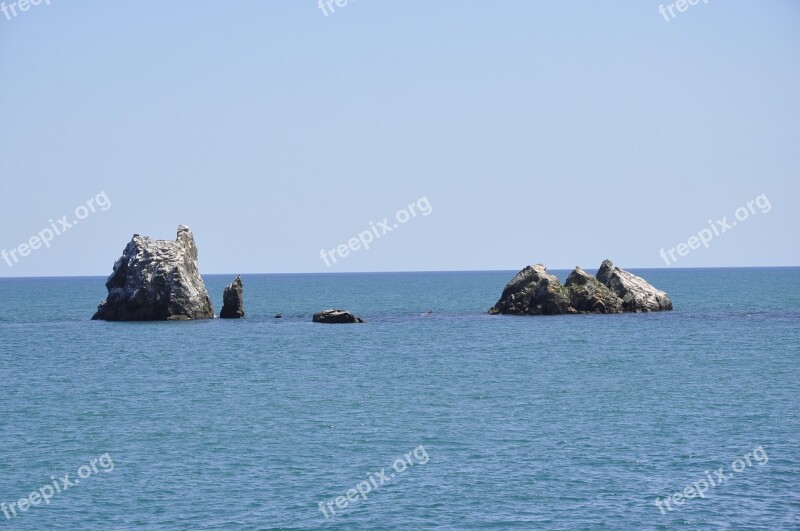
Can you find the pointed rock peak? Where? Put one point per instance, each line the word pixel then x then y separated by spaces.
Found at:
pixel 184 234
pixel 604 273
pixel 579 277
pixel 530 276
pixel 233 300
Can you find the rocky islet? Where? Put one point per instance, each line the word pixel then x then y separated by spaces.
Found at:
pixel 159 280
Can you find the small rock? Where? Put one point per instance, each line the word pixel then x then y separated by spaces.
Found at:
pixel 336 317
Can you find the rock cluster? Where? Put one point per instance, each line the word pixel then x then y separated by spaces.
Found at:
pixel 156 280
pixel 336 317
pixel 233 300
pixel 533 291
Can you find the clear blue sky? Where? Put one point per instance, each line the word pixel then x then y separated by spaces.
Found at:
pixel 554 132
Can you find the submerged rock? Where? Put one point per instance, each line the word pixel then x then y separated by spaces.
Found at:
pixel 156 280
pixel 336 317
pixel 533 291
pixel 233 301
pixel 636 293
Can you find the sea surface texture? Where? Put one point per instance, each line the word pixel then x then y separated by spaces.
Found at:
pixel 432 414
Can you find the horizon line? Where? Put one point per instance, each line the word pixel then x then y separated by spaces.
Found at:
pixel 668 268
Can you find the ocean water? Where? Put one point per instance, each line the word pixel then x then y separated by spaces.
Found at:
pixel 498 422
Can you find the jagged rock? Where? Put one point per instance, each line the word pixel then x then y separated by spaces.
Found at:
pixel 233 301
pixel 533 291
pixel 156 280
pixel 336 317
pixel 588 295
pixel 636 293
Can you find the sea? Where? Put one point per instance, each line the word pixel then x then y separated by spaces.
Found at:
pixel 431 415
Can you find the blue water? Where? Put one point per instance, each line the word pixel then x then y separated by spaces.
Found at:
pixel 567 422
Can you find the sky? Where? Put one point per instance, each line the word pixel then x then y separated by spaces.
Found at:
pixel 523 132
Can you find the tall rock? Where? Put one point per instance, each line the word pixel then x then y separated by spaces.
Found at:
pixel 233 300
pixel 156 280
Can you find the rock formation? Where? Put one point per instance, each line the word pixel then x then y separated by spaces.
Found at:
pixel 589 295
pixel 636 293
pixel 233 301
pixel 156 280
pixel 336 317
pixel 533 291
